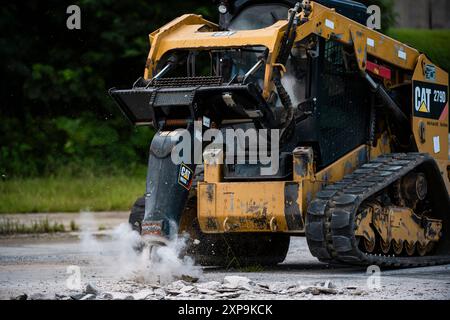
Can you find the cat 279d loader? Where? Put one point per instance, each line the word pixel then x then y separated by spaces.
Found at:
pixel 361 121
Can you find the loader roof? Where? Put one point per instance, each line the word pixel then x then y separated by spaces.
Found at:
pixel 351 9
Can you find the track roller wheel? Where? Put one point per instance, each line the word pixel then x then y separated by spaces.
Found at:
pixel 430 246
pixel 410 248
pixel 369 245
pixel 397 247
pixel 385 246
pixel 421 249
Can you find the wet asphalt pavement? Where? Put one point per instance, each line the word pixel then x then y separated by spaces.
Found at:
pixel 43 265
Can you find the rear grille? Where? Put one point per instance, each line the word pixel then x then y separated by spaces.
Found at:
pixel 186 82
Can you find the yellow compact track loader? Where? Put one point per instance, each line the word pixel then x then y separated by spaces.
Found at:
pixel 361 121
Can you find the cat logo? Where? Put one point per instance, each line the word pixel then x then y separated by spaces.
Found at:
pixel 429 100
pixel 185 176
pixel 423 107
pixel 422 99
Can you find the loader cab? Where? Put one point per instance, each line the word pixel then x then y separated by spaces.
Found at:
pixel 256 14
pixel 322 80
pixel 343 102
pixel 224 84
pixel 332 104
pixel 231 64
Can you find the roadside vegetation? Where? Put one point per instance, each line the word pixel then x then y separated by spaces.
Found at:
pixel 71 194
pixel 12 226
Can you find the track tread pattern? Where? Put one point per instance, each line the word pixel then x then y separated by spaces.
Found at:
pixel 330 220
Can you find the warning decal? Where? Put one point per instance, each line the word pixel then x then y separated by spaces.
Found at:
pixel 429 100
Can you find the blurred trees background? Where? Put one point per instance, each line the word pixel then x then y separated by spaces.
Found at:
pixel 54 108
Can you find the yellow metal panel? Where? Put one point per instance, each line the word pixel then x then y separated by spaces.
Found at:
pixel 263 206
pixel 432 127
pixel 206 206
pixel 213 165
pixel 329 24
pixel 242 206
pixel 157 37
pixel 383 146
pixel 188 32
pixel 345 165
pixel 360 45
pixel 193 32
pixel 336 171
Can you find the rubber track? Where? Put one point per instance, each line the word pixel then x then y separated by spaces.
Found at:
pixel 330 220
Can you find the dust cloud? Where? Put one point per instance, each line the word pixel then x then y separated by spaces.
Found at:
pixel 161 265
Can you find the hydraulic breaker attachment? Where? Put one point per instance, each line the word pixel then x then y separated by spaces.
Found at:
pixel 167 187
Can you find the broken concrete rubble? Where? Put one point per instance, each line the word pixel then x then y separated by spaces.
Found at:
pixel 230 295
pixel 236 281
pixel 106 296
pixel 77 296
pixel 143 294
pixel 211 285
pixel 89 296
pixel 90 289
pixel 231 287
pixel 206 291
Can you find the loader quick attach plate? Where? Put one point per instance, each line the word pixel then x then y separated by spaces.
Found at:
pixel 178 98
pixel 138 105
pixel 134 104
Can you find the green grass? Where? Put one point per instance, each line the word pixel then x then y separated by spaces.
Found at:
pixel 14 226
pixel 70 194
pixel 9 226
pixel 434 43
